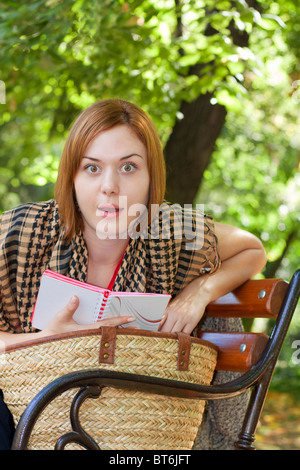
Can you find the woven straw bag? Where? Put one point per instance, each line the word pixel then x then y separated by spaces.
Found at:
pixel 118 419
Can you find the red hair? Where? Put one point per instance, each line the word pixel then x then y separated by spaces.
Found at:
pixel 99 117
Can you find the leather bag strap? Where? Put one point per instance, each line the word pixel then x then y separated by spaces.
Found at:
pixel 108 345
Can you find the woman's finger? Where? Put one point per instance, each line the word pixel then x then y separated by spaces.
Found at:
pixel 115 321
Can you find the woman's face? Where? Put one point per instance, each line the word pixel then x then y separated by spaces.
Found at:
pixel 112 179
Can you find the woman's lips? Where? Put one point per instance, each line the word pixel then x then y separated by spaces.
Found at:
pixel 108 211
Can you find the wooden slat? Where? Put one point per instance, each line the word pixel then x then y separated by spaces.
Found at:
pixel 255 299
pixel 238 352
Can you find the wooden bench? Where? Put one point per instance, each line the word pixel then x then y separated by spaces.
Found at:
pixel 254 355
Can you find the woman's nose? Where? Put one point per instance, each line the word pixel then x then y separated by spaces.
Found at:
pixel 110 183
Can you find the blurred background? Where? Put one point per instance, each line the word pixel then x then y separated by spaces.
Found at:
pixel 220 79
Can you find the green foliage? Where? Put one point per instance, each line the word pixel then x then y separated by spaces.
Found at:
pixel 253 180
pixel 57 57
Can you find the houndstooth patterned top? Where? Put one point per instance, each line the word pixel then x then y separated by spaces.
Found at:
pixel 179 245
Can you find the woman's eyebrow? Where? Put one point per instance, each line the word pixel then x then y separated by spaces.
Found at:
pixel 122 158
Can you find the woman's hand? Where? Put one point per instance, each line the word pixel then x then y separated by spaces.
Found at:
pixel 186 310
pixel 63 321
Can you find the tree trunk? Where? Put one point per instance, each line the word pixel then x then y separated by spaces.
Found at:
pixel 190 146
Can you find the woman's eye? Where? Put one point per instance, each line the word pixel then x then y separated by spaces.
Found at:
pixel 128 167
pixel 92 168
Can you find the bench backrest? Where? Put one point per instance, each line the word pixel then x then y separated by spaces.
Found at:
pixel 261 298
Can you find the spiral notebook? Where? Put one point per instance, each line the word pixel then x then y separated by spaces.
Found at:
pixel 96 303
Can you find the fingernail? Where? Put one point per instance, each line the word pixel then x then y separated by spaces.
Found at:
pixel 131 319
pixel 73 299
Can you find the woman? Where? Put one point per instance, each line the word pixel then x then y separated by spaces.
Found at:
pixel 113 162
